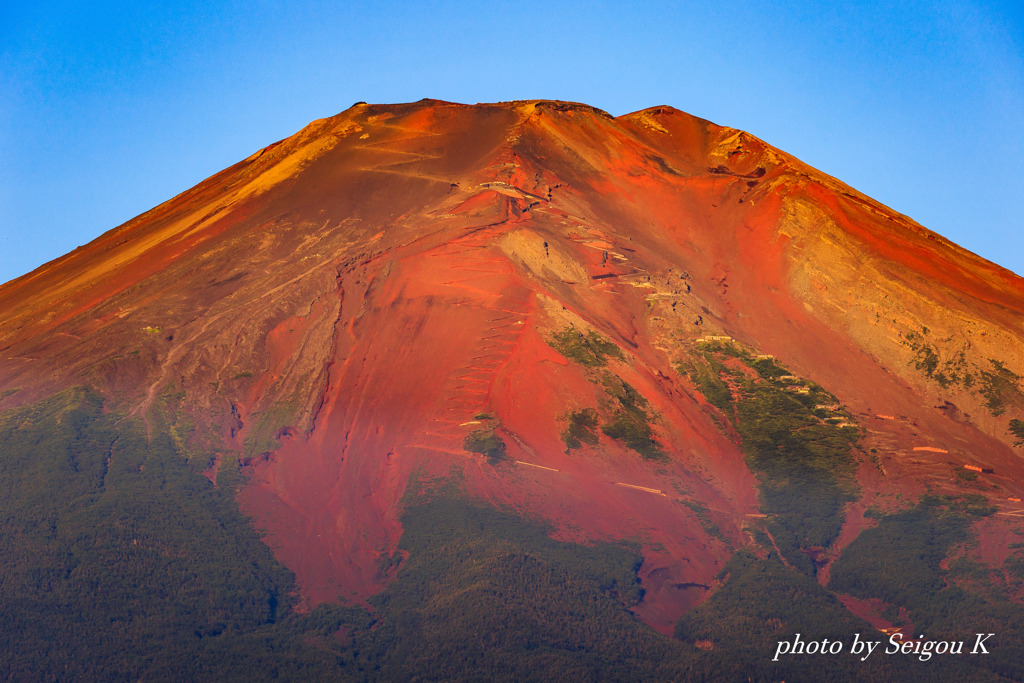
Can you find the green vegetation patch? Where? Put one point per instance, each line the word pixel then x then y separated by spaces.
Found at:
pixel 119 562
pixel 1000 387
pixel 915 541
pixel 630 422
pixel 706 374
pixel 624 413
pixel 926 359
pixel 949 372
pixel 796 438
pixel 966 476
pixel 485 441
pixel 1014 566
pixel 581 428
pixel 589 349
pixel 996 385
pixel 1017 429
pixel 901 562
pixel 762 602
pixel 633 431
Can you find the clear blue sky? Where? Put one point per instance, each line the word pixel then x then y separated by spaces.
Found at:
pixel 109 108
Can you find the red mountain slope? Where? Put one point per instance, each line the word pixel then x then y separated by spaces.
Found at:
pixel 339 311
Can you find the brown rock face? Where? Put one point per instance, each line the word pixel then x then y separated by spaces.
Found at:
pixel 342 309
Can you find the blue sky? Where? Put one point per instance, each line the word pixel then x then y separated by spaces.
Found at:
pixel 109 108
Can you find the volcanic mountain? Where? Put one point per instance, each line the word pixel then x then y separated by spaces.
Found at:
pixel 458 366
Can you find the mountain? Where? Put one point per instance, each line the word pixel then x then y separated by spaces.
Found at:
pixel 512 390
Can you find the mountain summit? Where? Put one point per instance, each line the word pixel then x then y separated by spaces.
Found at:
pixel 476 351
